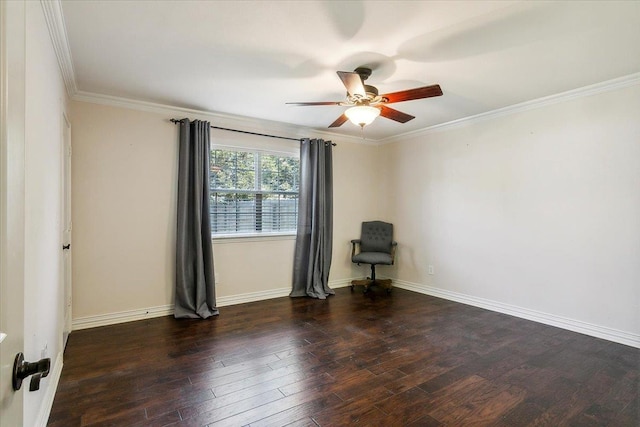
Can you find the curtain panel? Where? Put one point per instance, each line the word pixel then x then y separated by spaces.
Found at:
pixel 314 239
pixel 195 280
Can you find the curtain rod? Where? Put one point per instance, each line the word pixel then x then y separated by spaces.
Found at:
pixel 176 121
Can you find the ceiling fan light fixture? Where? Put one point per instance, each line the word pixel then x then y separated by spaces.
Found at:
pixel 362 115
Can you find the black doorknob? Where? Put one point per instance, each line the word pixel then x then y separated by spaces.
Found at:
pixel 23 369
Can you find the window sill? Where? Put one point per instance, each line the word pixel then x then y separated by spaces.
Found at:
pixel 254 237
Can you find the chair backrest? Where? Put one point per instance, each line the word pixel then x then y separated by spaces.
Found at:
pixel 376 236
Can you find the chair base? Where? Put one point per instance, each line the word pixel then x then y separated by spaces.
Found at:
pixel 367 283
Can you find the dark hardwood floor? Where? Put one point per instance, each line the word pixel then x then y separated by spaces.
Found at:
pixel 403 359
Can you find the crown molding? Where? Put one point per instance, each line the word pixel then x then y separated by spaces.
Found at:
pixel 261 125
pixel 57 30
pixel 58 33
pixel 594 89
pixel 228 120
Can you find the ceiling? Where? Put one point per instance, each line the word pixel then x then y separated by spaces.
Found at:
pixel 248 58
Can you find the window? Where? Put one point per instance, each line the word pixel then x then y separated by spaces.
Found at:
pixel 253 192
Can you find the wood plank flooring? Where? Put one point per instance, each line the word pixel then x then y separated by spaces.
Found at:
pixel 403 359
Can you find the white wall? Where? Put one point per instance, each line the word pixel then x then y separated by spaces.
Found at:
pixel 537 212
pixel 123 204
pixel 123 170
pixel 43 301
pixel 534 213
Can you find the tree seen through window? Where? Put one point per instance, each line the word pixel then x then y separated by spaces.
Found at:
pixel 253 192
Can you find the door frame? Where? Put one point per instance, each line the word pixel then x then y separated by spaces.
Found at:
pixel 12 202
pixel 67 227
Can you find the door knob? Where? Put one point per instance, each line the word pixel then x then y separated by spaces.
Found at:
pixel 23 369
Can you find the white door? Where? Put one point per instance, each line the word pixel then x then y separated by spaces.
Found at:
pixel 12 127
pixel 66 229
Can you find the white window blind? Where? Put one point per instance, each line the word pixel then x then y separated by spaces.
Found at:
pixel 253 192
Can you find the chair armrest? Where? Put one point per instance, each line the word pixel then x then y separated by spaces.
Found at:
pixel 354 243
pixel 394 245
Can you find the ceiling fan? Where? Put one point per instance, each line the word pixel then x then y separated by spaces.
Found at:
pixel 365 102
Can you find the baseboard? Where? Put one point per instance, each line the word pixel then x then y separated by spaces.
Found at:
pixel 252 297
pixel 603 332
pixel 167 310
pixel 579 326
pixel 271 293
pixel 47 403
pixel 121 317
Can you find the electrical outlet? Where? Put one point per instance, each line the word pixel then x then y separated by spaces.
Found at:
pixel 431 269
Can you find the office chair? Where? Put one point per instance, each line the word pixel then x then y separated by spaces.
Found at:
pixel 375 247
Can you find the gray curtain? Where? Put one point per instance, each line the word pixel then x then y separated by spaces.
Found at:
pixel 195 284
pixel 312 257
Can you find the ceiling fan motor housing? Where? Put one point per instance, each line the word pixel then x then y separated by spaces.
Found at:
pixel 363 72
pixel 371 91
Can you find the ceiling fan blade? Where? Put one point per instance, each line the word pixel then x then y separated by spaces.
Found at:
pixel 353 83
pixel 314 103
pixel 396 115
pixel 417 93
pixel 339 121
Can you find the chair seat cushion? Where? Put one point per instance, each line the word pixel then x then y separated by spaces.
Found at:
pixel 372 258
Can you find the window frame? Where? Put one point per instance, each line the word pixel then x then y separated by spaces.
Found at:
pixel 255 235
